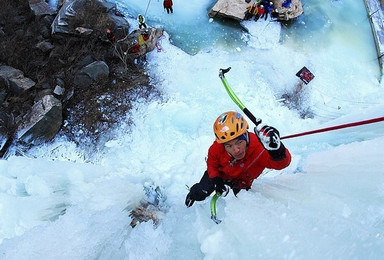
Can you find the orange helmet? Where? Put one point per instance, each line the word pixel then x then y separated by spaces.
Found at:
pixel 229 126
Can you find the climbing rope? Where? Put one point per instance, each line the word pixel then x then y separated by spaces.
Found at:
pixel 145 15
pixel 364 122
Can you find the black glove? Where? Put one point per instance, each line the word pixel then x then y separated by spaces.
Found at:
pixel 188 200
pixel 196 193
pixel 269 137
pixel 218 185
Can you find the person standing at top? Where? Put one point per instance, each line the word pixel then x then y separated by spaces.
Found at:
pixel 286 3
pixel 256 12
pixel 275 14
pixel 249 12
pixel 141 21
pixel 268 9
pixel 237 157
pixel 168 5
pixel 260 12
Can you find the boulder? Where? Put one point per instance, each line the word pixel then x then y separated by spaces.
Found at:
pixel 59 91
pixel 7 72
pixel 95 71
pixel 13 80
pixel 293 11
pixel 42 123
pixel 233 9
pixel 7 127
pixel 20 84
pixel 45 46
pixel 41 8
pixel 88 17
pixel 236 9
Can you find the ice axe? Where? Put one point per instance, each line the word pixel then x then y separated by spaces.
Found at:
pixel 257 121
pixel 213 205
pixel 235 99
pixel 213 208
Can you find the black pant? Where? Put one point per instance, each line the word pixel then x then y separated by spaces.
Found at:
pixel 266 15
pixel 169 9
pixel 205 187
pixel 248 16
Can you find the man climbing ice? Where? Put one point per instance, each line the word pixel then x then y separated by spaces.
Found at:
pixel 237 157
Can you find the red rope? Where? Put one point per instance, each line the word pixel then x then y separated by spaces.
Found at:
pixel 365 122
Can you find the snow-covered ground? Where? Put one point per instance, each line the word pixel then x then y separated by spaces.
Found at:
pixel 328 204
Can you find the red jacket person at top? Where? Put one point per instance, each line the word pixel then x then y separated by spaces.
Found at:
pixel 237 157
pixel 168 5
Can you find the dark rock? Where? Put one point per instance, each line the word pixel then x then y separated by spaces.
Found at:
pixel 68 94
pixel 45 46
pixel 60 82
pixel 86 61
pixel 20 84
pixel 95 71
pixel 59 91
pixel 3 95
pixel 7 128
pixel 42 93
pixel 42 123
pixel 14 80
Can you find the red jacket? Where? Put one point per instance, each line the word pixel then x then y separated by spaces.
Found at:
pixel 168 3
pixel 260 10
pixel 243 172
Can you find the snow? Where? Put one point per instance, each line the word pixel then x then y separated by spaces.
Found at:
pixel 57 203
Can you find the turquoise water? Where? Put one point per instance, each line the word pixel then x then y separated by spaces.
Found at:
pixel 189 27
pixel 339 25
pixel 328 22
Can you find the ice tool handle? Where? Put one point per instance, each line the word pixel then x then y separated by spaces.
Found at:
pixel 213 208
pixel 235 99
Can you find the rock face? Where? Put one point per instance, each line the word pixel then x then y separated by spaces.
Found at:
pixel 61 66
pixel 235 9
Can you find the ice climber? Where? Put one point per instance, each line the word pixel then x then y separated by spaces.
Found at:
pixel 141 21
pixel 237 157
